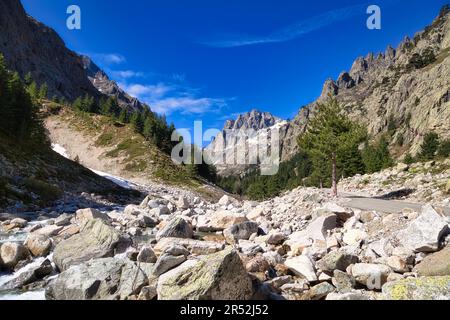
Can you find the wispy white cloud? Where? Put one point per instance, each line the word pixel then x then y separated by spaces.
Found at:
pixel 188 105
pixel 168 98
pixel 291 32
pixel 127 74
pixel 108 59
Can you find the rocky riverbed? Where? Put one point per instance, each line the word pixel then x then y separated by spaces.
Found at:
pixel 302 245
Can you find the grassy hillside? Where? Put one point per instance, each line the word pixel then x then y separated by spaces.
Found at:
pixel 105 144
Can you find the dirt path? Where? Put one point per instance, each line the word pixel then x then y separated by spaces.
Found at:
pixel 386 206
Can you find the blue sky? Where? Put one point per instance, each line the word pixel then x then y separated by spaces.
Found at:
pixel 212 59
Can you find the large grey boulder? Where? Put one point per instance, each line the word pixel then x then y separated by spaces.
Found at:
pixel 220 276
pixel 100 279
pixel 176 228
pixel 241 231
pixel 425 233
pixel 96 240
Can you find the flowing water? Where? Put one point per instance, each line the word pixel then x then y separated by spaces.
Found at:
pixel 6 277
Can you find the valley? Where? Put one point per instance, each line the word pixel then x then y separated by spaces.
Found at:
pixel 92 207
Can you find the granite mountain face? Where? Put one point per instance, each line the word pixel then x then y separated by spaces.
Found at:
pixel 405 89
pixel 31 47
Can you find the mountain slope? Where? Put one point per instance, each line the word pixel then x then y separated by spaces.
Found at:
pixel 30 46
pixel 405 91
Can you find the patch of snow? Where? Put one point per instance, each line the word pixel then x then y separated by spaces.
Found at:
pixel 60 149
pixel 117 180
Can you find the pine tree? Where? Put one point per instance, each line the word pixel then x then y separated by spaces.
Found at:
pixel 43 91
pixel 444 149
pixel 137 122
pixel 33 90
pixel 123 117
pixel 329 133
pixel 429 147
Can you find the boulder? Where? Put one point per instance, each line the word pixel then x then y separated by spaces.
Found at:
pixel 302 266
pixel 132 210
pixel 100 279
pixel 424 288
pixel 146 255
pixel 12 253
pixel 425 233
pixel 167 262
pixel 397 264
pixel 176 228
pixel 255 213
pixel 319 292
pixel 225 201
pixel 276 238
pixel 343 281
pixel 83 215
pixel 49 231
pixel 183 203
pixel 317 230
pixel 337 260
pixel 96 240
pixel 354 236
pixel 220 276
pixel 196 247
pixel 257 264
pixel 241 231
pixel 373 276
pixel 63 220
pixel 17 223
pixel 220 221
pixel 436 264
pixel 39 245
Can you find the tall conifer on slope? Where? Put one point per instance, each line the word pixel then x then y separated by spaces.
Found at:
pixel 329 134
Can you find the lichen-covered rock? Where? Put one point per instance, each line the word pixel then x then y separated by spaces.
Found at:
pixel 96 240
pixel 100 279
pixel 424 288
pixel 220 276
pixel 436 264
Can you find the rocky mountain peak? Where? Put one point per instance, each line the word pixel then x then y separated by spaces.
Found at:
pixel 254 119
